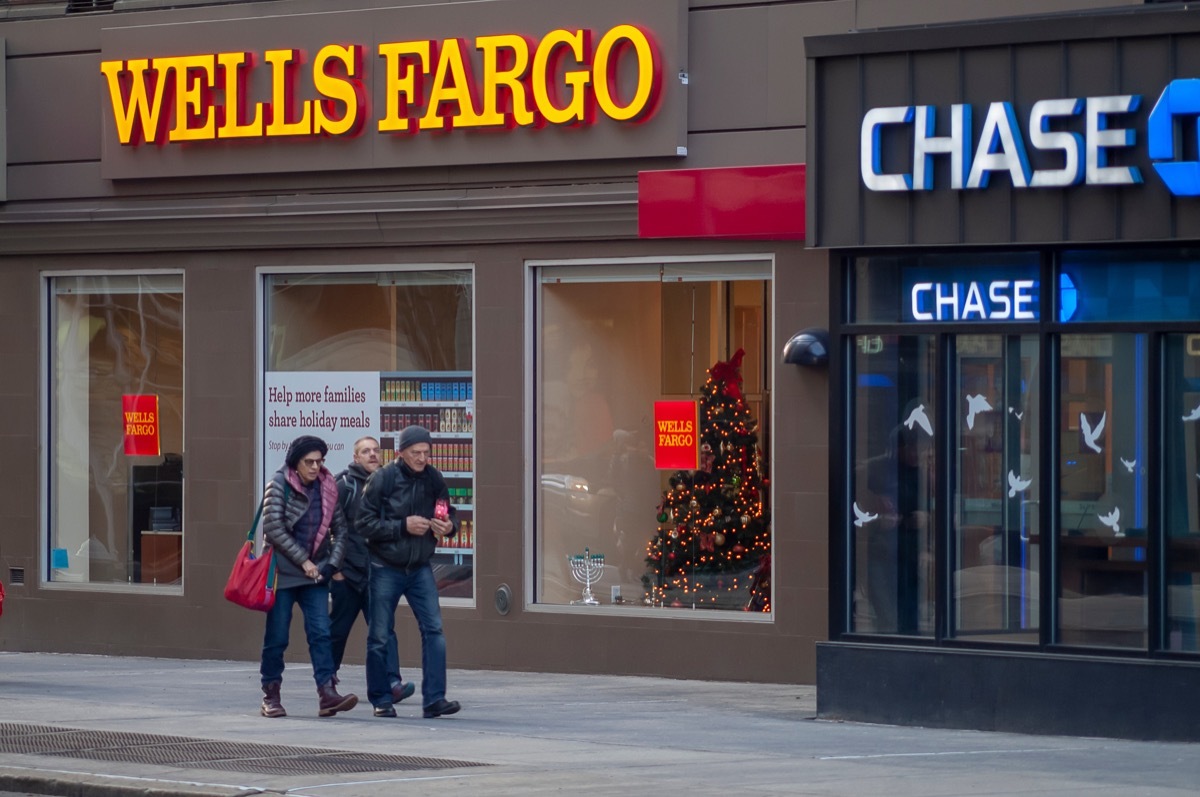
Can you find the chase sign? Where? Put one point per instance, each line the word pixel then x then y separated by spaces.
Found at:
pixel 1080 134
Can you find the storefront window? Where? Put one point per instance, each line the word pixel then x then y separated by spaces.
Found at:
pixel 894 516
pixel 1108 481
pixel 611 527
pixel 116 429
pixel 1104 496
pixel 996 535
pixel 1181 486
pixel 356 354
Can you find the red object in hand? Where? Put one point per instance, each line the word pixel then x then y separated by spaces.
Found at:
pixel 441 510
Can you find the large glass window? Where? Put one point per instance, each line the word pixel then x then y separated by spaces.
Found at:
pixel 1103 491
pixel 116 429
pixel 894 510
pixel 611 528
pixel 354 354
pixel 1181 486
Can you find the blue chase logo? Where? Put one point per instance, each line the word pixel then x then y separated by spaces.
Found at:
pixel 1080 132
pixel 1181 98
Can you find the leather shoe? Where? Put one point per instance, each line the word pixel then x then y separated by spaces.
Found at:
pixel 441 708
pixel 402 691
pixel 385 711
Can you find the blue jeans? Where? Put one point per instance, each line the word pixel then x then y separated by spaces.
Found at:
pixel 388 585
pixel 348 602
pixel 313 601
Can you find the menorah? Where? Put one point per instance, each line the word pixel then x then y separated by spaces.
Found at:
pixel 587 569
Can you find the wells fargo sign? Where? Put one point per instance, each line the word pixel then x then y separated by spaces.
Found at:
pixel 454 89
pixel 139 416
pixel 676 435
pixel 428 85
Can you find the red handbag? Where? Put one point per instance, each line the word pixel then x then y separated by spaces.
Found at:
pixel 252 581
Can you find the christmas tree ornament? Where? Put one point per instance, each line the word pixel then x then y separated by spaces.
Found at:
pixel 745 520
pixel 719 538
pixel 662 517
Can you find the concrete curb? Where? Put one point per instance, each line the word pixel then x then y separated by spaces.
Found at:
pixel 65 784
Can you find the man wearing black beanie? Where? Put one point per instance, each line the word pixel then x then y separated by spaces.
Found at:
pixel 405 512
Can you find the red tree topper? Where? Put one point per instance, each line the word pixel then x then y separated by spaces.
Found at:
pixel 729 374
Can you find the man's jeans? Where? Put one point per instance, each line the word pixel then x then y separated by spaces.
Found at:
pixel 313 601
pixel 388 584
pixel 347 603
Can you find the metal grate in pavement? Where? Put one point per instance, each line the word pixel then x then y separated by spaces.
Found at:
pixel 181 751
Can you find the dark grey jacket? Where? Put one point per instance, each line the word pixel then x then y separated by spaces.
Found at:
pixel 392 494
pixel 279 518
pixel 354 565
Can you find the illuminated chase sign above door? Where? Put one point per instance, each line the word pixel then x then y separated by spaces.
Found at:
pixel 1080 134
pixel 973 295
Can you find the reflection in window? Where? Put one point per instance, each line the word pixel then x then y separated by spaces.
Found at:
pixel 1103 580
pixel 611 341
pixel 116 421
pixel 893 517
pixel 999 487
pixel 403 339
pixel 1181 485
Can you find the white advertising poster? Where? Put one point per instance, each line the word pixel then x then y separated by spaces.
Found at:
pixel 337 406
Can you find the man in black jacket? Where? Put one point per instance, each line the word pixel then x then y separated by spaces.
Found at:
pixel 348 588
pixel 404 513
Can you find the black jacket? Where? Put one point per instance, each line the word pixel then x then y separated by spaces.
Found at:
pixel 285 502
pixel 392 494
pixel 350 485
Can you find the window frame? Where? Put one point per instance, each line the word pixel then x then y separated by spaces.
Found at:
pixel 637 265
pixel 46 463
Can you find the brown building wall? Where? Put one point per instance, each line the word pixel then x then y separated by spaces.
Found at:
pixel 746 103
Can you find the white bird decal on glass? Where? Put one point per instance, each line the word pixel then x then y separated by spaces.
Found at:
pixel 919 417
pixel 862 518
pixel 1128 465
pixel 1090 435
pixel 1194 415
pixel 1019 415
pixel 1112 520
pixel 976 405
pixel 1016 484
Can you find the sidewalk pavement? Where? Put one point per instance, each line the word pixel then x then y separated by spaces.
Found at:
pixel 101 726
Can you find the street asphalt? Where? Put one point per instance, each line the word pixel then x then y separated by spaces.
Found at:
pixel 95 726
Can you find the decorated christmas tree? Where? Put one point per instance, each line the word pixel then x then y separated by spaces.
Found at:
pixel 713 544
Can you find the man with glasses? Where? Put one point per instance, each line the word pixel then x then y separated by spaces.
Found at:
pixel 405 512
pixel 348 589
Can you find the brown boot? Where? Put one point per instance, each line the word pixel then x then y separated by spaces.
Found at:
pixel 271 707
pixel 331 702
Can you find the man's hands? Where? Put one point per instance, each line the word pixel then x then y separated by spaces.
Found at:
pixel 418 526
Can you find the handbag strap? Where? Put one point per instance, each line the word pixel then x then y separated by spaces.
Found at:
pixel 257 517
pixel 272 573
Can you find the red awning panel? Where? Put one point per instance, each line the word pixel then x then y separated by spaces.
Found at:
pixel 748 202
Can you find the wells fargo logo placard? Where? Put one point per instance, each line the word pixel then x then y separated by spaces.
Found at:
pixel 139 416
pixel 568 77
pixel 676 435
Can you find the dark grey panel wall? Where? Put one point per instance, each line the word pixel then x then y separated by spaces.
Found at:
pixel 1015 61
pixel 56 96
pixel 890 13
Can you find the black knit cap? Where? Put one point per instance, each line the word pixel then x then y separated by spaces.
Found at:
pixel 301 446
pixel 411 435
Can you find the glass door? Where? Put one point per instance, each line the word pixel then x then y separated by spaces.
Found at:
pixel 997 481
